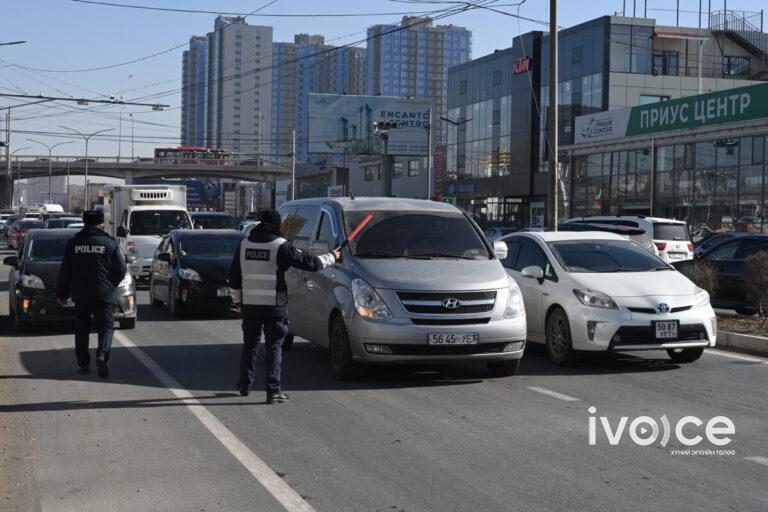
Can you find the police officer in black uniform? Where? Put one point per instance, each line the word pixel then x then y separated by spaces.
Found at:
pixel 257 280
pixel 90 272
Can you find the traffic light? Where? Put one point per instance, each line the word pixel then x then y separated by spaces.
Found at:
pixel 389 125
pixel 5 144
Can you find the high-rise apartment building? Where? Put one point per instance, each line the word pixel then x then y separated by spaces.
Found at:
pixel 412 59
pixel 194 77
pixel 239 88
pixel 308 65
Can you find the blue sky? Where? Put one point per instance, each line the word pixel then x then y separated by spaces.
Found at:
pixel 66 35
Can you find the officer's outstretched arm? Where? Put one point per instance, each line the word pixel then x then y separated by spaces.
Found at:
pixel 289 256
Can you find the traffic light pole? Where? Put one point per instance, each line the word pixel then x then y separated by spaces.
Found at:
pixel 430 173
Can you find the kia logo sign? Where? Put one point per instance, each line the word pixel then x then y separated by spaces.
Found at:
pixel 522 65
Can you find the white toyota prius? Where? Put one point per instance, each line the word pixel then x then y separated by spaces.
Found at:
pixel 592 291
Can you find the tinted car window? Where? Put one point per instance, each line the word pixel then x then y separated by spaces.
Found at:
pixel 724 251
pixel 214 221
pixel 47 249
pixel 305 219
pixel 30 224
pixel 604 256
pixel 513 248
pixel 289 225
pixel 530 255
pixel 208 247
pixel 325 231
pixel 416 235
pixel 750 247
pixel 158 222
pixel 670 231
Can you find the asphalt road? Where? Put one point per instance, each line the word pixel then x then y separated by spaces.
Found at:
pixel 167 432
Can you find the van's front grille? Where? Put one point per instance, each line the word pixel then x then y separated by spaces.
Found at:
pixel 450 321
pixel 448 303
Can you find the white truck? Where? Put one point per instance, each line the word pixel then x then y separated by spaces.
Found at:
pixel 138 216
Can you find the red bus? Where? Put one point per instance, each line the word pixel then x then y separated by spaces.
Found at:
pixel 191 155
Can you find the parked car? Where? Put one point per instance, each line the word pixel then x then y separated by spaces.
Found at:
pixel 213 220
pixel 714 239
pixel 592 291
pixel 419 284
pixel 32 283
pixel 61 222
pixel 728 258
pixel 493 234
pixel 3 220
pixel 670 236
pixel 18 230
pixel 191 268
pixel 637 235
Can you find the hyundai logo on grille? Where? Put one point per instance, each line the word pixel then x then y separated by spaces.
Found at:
pixel 662 308
pixel 451 303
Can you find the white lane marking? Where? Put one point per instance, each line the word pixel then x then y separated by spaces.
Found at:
pixel 554 394
pixel 759 460
pixel 734 355
pixel 275 485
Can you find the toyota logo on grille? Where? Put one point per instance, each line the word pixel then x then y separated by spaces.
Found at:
pixel 451 303
pixel 662 308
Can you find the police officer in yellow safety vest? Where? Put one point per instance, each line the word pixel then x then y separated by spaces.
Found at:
pixel 257 280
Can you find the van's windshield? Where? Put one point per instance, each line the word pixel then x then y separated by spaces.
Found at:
pixel 415 235
pixel 158 222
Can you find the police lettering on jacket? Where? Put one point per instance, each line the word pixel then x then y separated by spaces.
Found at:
pixel 90 249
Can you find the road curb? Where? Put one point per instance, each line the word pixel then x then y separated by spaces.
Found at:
pixel 742 342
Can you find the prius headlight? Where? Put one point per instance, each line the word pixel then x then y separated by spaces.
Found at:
pixel 189 275
pixel 368 302
pixel 32 281
pixel 595 299
pixel 127 280
pixel 515 306
pixel 700 297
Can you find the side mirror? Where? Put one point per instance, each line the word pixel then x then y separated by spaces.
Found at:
pixel 533 272
pixel 11 261
pixel 319 247
pixel 121 232
pixel 164 256
pixel 500 249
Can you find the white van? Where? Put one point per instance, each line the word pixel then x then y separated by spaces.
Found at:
pixel 670 236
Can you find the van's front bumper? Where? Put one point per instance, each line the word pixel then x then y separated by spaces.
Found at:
pixel 406 342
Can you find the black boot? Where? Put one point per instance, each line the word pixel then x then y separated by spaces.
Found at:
pixel 102 364
pixel 84 370
pixel 277 398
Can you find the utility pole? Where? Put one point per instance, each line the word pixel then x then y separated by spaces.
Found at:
pixel 293 168
pixel 131 115
pixel 120 135
pixel 87 137
pixel 18 175
pixel 429 157
pixel 9 197
pixel 50 161
pixel 553 106
pixel 69 193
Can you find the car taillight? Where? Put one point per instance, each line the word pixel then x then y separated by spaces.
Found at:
pixel 690 247
pixel 660 245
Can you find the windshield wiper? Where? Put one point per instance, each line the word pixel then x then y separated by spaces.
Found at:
pixel 436 255
pixel 657 269
pixel 379 255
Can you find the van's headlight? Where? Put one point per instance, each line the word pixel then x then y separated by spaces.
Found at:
pixel 700 297
pixel 515 306
pixel 189 275
pixel 368 302
pixel 32 281
pixel 595 299
pixel 127 280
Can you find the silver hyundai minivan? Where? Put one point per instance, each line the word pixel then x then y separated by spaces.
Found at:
pixel 418 284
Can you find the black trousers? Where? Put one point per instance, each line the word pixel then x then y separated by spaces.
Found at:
pixel 256 319
pixel 102 315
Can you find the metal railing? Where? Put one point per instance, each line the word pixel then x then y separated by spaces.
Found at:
pixel 746 25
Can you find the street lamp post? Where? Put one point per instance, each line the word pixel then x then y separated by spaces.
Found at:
pixel 87 137
pixel 18 175
pixel 50 161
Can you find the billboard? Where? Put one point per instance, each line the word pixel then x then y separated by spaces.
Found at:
pixel 344 124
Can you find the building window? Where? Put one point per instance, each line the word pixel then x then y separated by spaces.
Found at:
pixel 496 116
pixel 413 168
pixel 736 66
pixel 497 77
pixel 665 63
pixel 645 99
pixel 631 49
pixel 369 172
pixel 397 170
pixel 463 87
pixel 577 54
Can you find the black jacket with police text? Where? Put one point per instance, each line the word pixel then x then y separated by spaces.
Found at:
pixel 92 267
